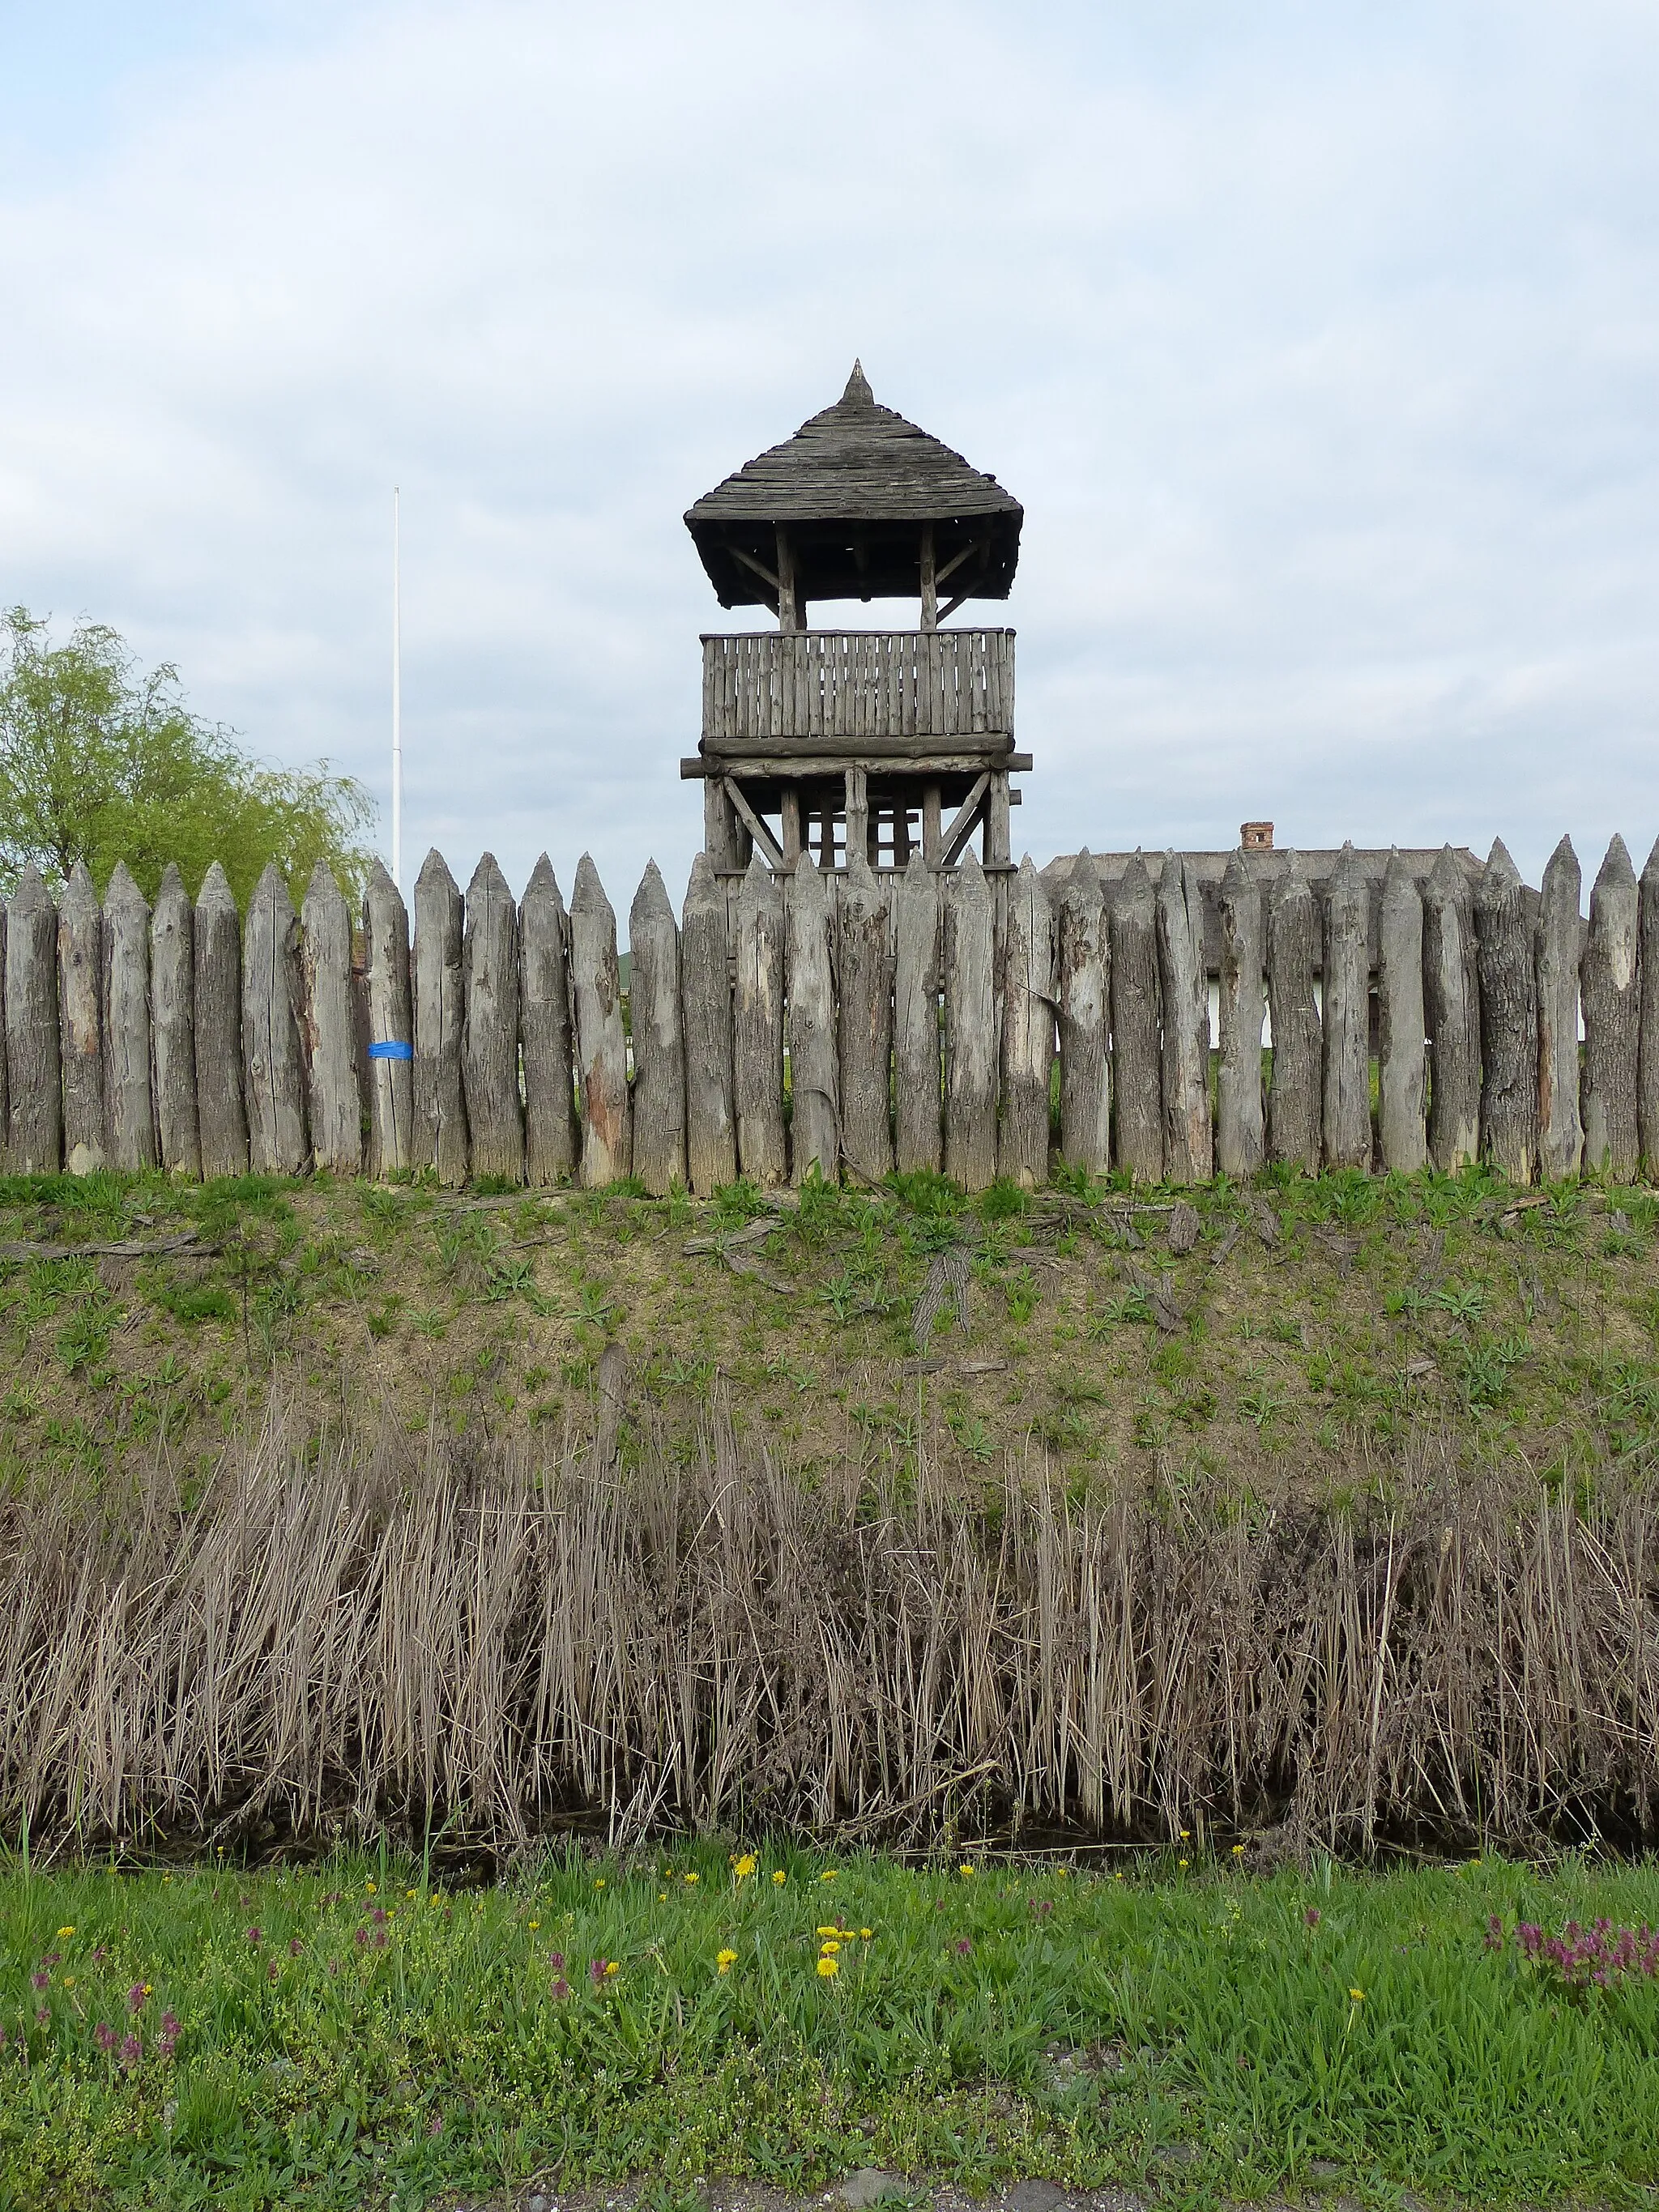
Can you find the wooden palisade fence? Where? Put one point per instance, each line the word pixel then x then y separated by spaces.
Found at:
pixel 847 1024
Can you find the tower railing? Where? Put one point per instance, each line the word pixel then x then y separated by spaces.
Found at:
pixel 859 688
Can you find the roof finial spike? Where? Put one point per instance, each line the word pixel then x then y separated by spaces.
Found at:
pixel 857 392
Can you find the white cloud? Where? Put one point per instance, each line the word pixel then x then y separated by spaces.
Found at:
pixel 1321 345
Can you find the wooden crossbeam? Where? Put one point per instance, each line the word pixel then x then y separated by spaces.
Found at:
pixel 983 548
pixel 975 545
pixel 759 566
pixel 751 822
pixel 963 821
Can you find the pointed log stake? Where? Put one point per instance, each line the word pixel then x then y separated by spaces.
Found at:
pixel 601 1048
pixel 1240 1127
pixel 173 1025
pixel 1612 1019
pixel 80 1019
pixel 129 1090
pixel 1402 1057
pixel 1084 961
pixel 758 1026
pixel 277 1139
pixel 1556 950
pixel 1346 1023
pixel 916 1094
pixel 1508 1019
pixel 1294 1117
pixel 390 1080
pixel 552 1131
pixel 1028 1030
pixel 489 1025
pixel 33 1048
pixel 1648 983
pixel 970 1028
pixel 653 950
pixel 814 1087
pixel 1451 1012
pixel 1185 1054
pixel 711 1118
pixel 864 964
pixel 334 1094
pixel 1137 1079
pixel 439 1108
pixel 221 1114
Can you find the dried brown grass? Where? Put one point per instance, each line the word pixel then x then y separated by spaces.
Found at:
pixel 341 1640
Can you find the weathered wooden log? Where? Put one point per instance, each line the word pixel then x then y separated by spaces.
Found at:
pixel 173 1025
pixel 80 1021
pixel 916 1093
pixel 1612 1019
pixel 1451 1012
pixel 1345 1024
pixel 814 1086
pixel 711 1119
pixel 758 1026
pixel 221 1114
pixel 129 1088
pixel 970 1028
pixel 552 1127
pixel 328 1027
pixel 1027 1029
pixel 864 974
pixel 1240 1121
pixel 1294 1105
pixel 1556 951
pixel 275 1070
pixel 390 1044
pixel 653 997
pixel 1084 961
pixel 1648 984
pixel 1403 1039
pixel 1509 1019
pixel 1184 1057
pixel 34 1052
pixel 601 1048
pixel 5 1084
pixel 489 1025
pixel 440 1104
pixel 1137 1076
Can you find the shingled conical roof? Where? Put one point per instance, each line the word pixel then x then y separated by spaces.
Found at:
pixel 853 486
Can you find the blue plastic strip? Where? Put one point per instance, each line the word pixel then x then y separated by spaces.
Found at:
pixel 392 1052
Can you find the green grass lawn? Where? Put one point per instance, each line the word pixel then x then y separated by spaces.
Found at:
pixel 348 2034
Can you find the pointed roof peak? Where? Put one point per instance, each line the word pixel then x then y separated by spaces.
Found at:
pixel 857 392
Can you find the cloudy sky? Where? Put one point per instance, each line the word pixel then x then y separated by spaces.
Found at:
pixel 1321 343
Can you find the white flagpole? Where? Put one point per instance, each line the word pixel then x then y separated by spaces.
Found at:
pixel 396 701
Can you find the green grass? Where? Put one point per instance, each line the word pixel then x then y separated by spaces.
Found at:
pixel 1179 2026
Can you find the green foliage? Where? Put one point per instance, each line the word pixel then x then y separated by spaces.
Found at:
pixel 101 762
pixel 375 2031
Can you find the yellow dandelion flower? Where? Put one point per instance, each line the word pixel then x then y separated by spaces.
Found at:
pixel 69 1981
pixel 64 1931
pixel 613 1965
pixel 1180 1862
pixel 600 1882
pixel 1118 1876
pixel 866 1933
pixel 726 1960
pixel 828 1950
pixel 1358 1996
pixel 745 1866
pixel 693 1878
pixel 1239 1850
pixel 1186 1835
pixel 829 1968
pixel 780 1875
pixel 829 1931
pixel 411 1892
pixel 827 1877
pixel 534 1925
pixel 662 1896
pixel 1060 1873
pixel 966 1871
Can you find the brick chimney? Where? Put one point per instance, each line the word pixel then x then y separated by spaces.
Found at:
pixel 1257 836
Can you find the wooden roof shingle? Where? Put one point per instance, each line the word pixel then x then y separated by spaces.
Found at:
pixel 859 473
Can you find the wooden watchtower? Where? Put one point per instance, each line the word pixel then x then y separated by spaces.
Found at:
pixel 827 740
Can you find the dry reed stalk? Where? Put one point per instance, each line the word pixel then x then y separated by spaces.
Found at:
pixel 340 1637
